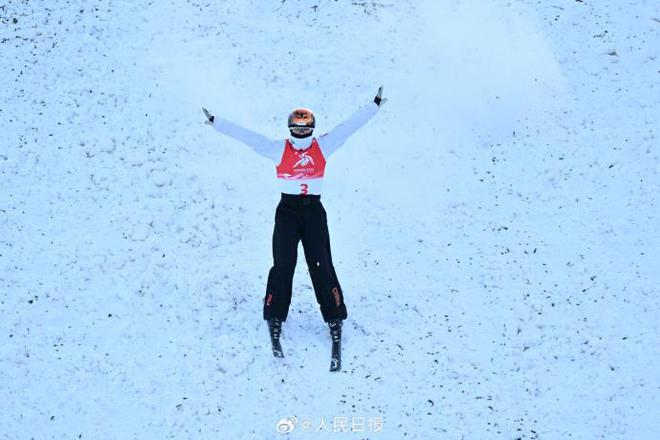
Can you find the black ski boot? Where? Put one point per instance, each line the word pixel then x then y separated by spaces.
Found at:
pixel 335 333
pixel 275 329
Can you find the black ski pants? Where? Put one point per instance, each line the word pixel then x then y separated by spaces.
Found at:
pixel 302 217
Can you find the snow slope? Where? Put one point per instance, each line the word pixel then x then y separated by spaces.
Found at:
pixel 495 223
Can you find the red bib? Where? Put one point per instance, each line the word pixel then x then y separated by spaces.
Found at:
pixel 301 164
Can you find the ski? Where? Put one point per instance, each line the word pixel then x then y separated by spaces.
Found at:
pixel 335 359
pixel 335 333
pixel 275 329
pixel 277 348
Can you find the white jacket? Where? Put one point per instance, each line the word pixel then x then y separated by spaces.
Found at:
pixel 274 149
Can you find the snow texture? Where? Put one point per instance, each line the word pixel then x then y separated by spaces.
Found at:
pixel 494 227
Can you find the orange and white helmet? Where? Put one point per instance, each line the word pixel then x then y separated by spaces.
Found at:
pixel 302 122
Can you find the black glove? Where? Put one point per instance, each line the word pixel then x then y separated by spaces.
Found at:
pixel 379 100
pixel 209 116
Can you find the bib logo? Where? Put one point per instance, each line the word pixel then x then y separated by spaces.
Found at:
pixel 304 160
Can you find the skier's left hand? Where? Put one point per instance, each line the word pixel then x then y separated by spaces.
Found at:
pixel 379 100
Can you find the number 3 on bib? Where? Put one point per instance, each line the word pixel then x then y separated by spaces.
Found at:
pixel 303 188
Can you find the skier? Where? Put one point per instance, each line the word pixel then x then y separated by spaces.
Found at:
pixel 301 161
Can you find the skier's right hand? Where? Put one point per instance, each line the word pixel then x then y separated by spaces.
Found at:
pixel 209 116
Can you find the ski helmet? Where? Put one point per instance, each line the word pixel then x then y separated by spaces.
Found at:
pixel 301 122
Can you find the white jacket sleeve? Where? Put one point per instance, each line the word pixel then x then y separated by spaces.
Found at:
pixel 263 146
pixel 331 141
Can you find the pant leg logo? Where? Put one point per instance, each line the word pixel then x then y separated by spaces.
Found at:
pixel 335 292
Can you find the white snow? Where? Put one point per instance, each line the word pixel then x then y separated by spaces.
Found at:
pixel 496 224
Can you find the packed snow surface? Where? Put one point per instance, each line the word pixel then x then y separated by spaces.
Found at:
pixel 494 226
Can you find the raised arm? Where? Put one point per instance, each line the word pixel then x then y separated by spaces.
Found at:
pixel 331 141
pixel 260 144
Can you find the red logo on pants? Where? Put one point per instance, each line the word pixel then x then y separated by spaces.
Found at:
pixel 335 292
